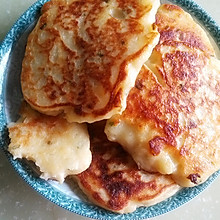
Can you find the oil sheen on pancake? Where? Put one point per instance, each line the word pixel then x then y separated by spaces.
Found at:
pixel 114 181
pixel 172 120
pixel 57 147
pixel 83 56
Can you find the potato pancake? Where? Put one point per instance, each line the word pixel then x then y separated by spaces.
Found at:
pixel 83 56
pixel 114 181
pixel 172 120
pixel 57 147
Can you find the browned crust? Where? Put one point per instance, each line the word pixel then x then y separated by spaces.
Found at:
pixel 121 186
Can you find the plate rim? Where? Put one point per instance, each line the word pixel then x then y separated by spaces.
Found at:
pixel 47 190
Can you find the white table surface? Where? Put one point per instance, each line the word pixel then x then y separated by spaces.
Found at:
pixel 19 201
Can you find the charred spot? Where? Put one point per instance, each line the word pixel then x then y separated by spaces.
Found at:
pixel 83 14
pixel 81 93
pixel 194 178
pixel 78 109
pixel 122 42
pixel 61 7
pixel 52 95
pixel 49 142
pixel 82 44
pixel 156 145
pixel 100 54
pixel 120 191
pixel 139 84
pixel 118 187
pixel 111 123
pixel 43 26
pixel 90 105
pixel 62 93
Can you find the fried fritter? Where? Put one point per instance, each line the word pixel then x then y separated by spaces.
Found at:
pixel 57 147
pixel 83 56
pixel 172 120
pixel 114 181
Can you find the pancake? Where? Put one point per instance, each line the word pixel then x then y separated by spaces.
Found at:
pixel 57 147
pixel 114 181
pixel 172 121
pixel 83 57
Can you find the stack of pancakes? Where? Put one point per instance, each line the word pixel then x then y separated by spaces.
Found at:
pixel 121 96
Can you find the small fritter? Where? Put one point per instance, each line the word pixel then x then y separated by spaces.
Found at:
pixel 57 147
pixel 172 120
pixel 83 56
pixel 114 181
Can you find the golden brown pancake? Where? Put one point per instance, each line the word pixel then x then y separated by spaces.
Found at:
pixel 172 120
pixel 83 56
pixel 57 147
pixel 114 181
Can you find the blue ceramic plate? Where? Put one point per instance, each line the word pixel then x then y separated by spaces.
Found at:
pixel 66 196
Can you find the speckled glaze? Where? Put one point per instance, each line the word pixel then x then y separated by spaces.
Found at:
pixel 11 54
